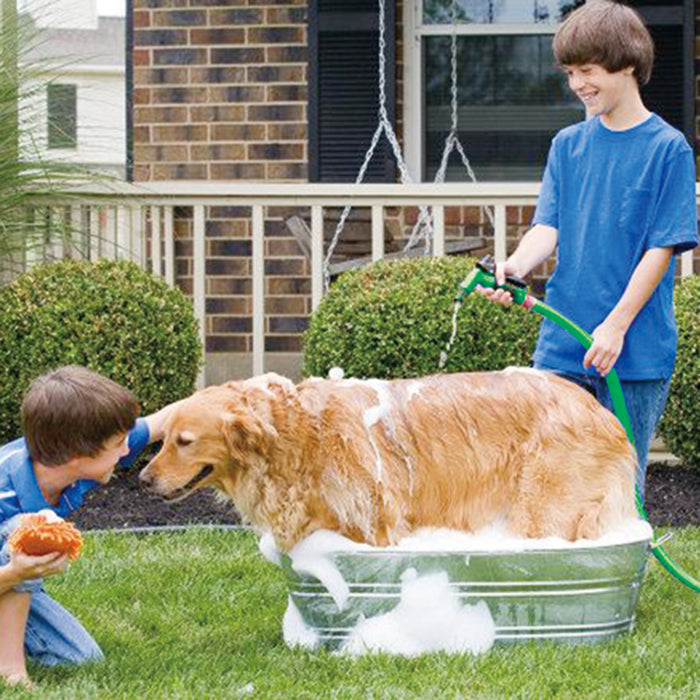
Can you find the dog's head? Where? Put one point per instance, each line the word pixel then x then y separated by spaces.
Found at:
pixel 213 438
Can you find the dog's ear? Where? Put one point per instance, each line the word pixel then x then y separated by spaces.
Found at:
pixel 246 431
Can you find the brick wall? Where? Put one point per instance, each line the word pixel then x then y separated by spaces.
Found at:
pixel 220 90
pixel 220 93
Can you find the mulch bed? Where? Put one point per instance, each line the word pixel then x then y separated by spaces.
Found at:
pixel 673 498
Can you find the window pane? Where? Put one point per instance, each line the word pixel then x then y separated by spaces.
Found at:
pixel 512 99
pixel 62 116
pixel 499 11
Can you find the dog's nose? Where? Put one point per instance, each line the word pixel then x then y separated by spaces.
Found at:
pixel 145 479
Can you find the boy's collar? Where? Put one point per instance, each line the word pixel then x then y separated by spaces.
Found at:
pixel 24 482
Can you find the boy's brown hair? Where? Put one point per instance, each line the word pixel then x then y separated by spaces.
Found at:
pixel 71 412
pixel 609 34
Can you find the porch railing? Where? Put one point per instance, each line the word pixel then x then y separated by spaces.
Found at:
pixel 114 224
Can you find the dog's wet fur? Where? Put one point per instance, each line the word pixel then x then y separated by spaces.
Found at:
pixel 375 460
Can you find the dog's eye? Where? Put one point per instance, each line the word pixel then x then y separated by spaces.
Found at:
pixel 183 440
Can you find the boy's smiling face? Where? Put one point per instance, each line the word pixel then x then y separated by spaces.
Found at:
pixel 600 91
pixel 101 466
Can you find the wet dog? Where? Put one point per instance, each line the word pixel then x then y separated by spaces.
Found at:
pixel 374 460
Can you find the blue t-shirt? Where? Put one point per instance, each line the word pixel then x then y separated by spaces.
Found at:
pixel 613 195
pixel 20 492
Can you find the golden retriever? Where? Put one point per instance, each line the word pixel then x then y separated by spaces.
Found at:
pixel 374 460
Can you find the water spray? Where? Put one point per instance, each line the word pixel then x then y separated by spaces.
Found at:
pixel 484 275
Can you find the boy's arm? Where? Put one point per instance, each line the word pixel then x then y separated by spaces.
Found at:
pixel 156 421
pixel 609 336
pixel 534 248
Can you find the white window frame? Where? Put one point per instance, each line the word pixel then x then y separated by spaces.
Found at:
pixel 413 103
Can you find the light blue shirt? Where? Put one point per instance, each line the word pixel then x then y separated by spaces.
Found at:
pixel 613 195
pixel 20 492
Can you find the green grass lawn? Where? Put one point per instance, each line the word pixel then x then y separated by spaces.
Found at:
pixel 198 614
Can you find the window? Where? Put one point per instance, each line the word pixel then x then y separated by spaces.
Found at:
pixel 344 90
pixel 62 116
pixel 512 98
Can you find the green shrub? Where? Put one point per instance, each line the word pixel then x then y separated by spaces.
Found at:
pixel 393 319
pixel 680 426
pixel 109 316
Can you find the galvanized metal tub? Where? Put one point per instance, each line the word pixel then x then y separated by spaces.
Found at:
pixel 577 595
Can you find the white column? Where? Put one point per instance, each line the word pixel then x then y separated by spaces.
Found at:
pixel 198 280
pixel 316 255
pixel 499 237
pixel 377 232
pixel 168 216
pixel 94 232
pixel 438 230
pixel 156 267
pixel 123 237
pixel 258 290
pixel 687 263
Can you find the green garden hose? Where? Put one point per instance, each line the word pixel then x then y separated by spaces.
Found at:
pixel 483 274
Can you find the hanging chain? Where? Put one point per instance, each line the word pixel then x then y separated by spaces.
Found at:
pixel 384 127
pixel 423 228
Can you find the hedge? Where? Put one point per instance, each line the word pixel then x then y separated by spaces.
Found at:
pixel 109 316
pixel 393 319
pixel 680 426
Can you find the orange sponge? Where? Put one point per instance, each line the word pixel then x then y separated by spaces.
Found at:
pixel 37 535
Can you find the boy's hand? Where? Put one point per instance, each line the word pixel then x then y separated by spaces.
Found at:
pixel 607 346
pixel 25 567
pixel 500 296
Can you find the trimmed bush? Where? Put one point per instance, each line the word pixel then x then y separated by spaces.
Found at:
pixel 680 426
pixel 109 316
pixel 393 319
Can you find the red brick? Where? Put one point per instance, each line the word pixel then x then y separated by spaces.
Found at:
pixel 142 96
pixel 237 132
pixel 151 115
pixel 179 133
pixel 218 286
pixel 218 75
pixel 160 153
pixel 276 35
pixel 227 343
pixel 276 74
pixel 237 171
pixel 141 57
pixel 235 17
pixel 275 151
pixel 160 37
pixel 237 93
pixel 287 171
pixel 217 37
pixel 218 151
pixel 285 305
pixel 179 171
pixel 217 113
pixel 180 95
pixel 286 132
pixel 179 18
pixel 142 134
pixel 276 113
pixel 142 18
pixel 286 15
pixel 286 93
pixel 283 343
pixel 160 76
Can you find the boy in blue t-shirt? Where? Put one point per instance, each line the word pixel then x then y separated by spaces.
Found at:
pixel 77 425
pixel 617 203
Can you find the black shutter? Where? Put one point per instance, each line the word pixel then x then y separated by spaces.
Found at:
pixel 670 92
pixel 344 89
